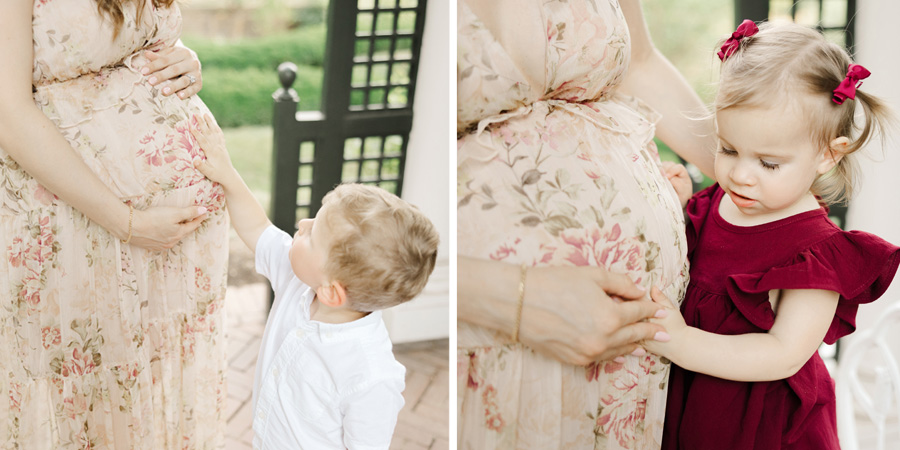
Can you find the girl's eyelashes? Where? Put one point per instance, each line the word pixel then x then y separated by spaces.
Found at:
pixel 764 163
pixel 768 165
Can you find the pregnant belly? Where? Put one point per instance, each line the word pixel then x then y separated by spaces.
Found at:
pixel 135 139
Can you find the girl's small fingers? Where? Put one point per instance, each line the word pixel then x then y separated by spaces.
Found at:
pixel 658 297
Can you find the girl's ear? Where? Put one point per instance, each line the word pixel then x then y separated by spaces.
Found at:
pixel 332 294
pixel 836 150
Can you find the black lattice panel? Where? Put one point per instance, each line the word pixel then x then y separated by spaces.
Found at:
pixel 375 160
pixel 305 179
pixel 383 54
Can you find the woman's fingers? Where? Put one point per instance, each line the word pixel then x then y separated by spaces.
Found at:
pixel 174 70
pixel 619 352
pixel 189 226
pixel 660 298
pixel 190 213
pixel 161 228
pixel 618 284
pixel 634 333
pixel 637 310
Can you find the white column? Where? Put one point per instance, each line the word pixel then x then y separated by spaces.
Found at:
pixel 876 206
pixel 426 180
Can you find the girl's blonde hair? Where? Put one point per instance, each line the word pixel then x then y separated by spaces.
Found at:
pixel 384 248
pixel 792 62
pixel 112 9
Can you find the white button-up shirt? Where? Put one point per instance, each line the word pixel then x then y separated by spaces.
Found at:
pixel 319 385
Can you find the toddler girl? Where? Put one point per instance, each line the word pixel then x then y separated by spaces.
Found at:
pixel 771 276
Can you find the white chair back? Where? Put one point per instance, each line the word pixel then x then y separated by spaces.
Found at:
pixel 881 401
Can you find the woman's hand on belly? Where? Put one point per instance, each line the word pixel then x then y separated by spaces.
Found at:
pixel 577 314
pixel 175 70
pixel 161 227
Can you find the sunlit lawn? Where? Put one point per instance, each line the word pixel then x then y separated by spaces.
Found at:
pixel 250 148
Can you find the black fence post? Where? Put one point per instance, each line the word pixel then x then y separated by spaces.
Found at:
pixel 284 163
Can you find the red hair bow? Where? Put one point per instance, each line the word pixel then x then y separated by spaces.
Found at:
pixel 847 88
pixel 746 29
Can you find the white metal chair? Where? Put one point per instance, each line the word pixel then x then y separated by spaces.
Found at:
pixel 883 405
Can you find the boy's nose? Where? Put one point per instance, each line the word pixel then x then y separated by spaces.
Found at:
pixel 303 225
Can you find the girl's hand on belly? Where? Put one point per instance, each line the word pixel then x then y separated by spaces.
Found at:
pixel 175 70
pixel 672 321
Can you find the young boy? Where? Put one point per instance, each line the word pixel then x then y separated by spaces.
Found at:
pixel 326 377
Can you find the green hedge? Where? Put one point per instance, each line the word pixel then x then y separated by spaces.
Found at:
pixel 303 46
pixel 240 97
pixel 240 76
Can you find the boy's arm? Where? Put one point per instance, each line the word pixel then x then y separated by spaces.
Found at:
pixel 370 416
pixel 247 215
pixel 801 323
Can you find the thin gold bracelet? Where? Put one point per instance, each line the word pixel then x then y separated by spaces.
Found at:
pixel 130 223
pixel 520 303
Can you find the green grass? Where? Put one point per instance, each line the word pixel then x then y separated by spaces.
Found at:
pixel 250 148
pixel 240 97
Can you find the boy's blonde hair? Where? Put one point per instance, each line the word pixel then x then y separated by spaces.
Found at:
pixel 383 248
pixel 790 62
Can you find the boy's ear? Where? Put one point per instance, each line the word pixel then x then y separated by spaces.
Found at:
pixel 836 150
pixel 332 294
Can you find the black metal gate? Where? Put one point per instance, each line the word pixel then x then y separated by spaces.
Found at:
pixel 361 133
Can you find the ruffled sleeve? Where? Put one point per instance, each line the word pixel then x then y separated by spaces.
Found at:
pixel 697 210
pixel 857 265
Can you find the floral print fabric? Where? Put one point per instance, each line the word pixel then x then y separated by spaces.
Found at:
pixel 564 173
pixel 105 345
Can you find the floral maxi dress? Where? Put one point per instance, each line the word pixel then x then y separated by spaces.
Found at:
pixel 102 344
pixel 560 171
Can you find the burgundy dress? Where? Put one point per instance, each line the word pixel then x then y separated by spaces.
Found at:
pixel 732 270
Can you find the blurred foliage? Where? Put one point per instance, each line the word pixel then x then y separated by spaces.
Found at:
pixel 687 32
pixel 239 97
pixel 240 76
pixel 304 46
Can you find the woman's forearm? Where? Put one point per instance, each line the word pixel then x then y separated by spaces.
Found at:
pixel 487 293
pixel 686 125
pixel 34 143
pixel 567 312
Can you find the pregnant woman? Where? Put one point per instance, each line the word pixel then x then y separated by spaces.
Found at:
pixel 562 203
pixel 115 247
